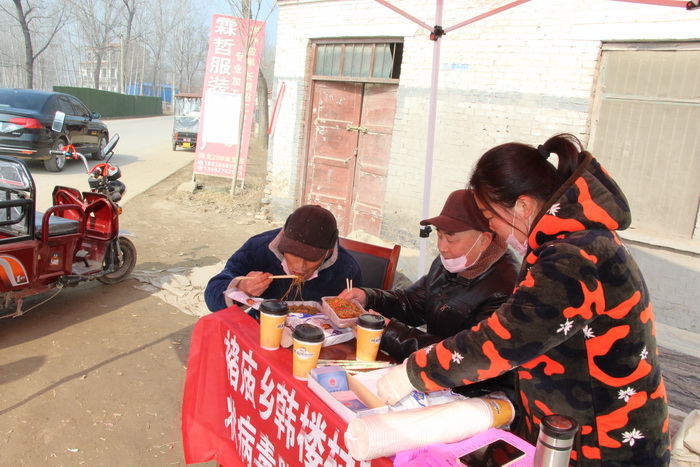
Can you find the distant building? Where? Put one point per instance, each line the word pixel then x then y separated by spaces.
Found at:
pixel 121 74
pixel 110 67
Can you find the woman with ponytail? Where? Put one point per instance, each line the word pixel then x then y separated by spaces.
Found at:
pixel 579 327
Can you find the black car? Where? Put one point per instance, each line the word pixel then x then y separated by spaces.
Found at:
pixel 26 116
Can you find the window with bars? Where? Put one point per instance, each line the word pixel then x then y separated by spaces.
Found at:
pixel 380 60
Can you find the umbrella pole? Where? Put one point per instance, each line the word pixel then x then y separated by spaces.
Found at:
pixel 432 112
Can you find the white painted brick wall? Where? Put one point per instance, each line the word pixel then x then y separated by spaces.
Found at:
pixel 521 75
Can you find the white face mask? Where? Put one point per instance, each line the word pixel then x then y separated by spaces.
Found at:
pixel 521 248
pixel 457 265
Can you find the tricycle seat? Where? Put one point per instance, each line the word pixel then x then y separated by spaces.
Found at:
pixel 57 225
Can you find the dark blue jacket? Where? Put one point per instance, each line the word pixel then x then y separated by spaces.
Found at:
pixel 257 254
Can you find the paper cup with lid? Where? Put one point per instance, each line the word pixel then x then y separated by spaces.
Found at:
pixel 273 314
pixel 308 340
pixel 370 327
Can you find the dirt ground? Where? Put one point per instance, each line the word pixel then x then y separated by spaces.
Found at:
pixel 94 376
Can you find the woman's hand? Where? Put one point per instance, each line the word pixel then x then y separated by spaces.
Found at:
pixel 257 285
pixel 395 385
pixel 355 294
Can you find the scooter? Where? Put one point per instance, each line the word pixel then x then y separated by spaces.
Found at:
pixel 74 241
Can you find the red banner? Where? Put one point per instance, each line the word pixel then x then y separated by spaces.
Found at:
pixel 242 406
pixel 230 82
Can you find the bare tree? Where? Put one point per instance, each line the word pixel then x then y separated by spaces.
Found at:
pixel 98 20
pixel 247 9
pixel 188 47
pixel 130 9
pixel 265 74
pixel 32 20
pixel 162 19
pixel 137 29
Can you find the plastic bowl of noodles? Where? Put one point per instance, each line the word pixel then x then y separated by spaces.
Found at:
pixel 343 313
pixel 305 308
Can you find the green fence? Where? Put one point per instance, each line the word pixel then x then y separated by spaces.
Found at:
pixel 112 104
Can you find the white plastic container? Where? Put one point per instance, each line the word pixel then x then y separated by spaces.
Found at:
pixel 335 319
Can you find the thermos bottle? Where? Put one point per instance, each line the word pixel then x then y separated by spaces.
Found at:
pixel 555 441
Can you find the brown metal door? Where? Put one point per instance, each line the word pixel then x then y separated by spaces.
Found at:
pixel 374 147
pixel 331 159
pixel 349 146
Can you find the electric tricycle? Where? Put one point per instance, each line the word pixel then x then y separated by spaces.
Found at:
pixel 186 111
pixel 75 240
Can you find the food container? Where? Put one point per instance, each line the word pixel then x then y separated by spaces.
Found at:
pixel 316 305
pixel 334 334
pixel 340 321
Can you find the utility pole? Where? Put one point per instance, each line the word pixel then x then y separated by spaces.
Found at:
pixel 121 64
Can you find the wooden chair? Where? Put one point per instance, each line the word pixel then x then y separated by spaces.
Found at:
pixel 377 263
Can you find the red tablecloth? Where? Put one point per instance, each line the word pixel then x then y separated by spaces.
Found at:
pixel 242 406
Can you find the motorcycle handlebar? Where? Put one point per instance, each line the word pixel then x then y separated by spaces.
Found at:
pixel 74 154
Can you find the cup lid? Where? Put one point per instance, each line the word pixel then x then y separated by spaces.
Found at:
pixel 308 332
pixel 559 426
pixel 371 321
pixel 274 307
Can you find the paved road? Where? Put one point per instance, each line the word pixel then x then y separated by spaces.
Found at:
pixel 144 154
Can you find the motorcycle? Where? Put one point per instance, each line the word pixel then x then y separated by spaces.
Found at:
pixel 74 241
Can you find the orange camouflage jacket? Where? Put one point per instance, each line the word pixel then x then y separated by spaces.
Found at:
pixel 579 329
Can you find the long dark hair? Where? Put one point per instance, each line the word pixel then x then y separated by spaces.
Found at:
pixel 511 170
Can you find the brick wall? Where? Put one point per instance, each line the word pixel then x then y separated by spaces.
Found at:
pixel 522 75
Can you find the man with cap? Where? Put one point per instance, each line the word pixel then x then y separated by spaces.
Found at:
pixel 306 246
pixel 472 277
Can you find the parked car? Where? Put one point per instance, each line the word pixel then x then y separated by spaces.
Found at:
pixel 26 116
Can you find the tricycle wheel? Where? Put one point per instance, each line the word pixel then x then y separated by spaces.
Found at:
pixel 125 262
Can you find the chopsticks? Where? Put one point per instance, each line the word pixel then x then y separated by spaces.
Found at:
pixel 348 284
pixel 291 276
pixel 351 365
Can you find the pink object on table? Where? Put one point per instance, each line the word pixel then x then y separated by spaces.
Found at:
pixel 447 455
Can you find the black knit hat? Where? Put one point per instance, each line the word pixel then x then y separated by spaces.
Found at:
pixel 459 214
pixel 309 233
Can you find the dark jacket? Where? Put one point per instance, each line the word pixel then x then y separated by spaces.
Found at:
pixel 444 302
pixel 579 330
pixel 259 253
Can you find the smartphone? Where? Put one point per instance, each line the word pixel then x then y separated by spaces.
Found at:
pixel 498 453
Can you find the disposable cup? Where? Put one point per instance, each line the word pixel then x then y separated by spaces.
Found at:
pixel 370 327
pixel 273 314
pixel 502 409
pixel 307 342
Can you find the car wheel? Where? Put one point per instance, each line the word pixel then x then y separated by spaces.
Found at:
pixel 56 162
pixel 99 155
pixel 174 146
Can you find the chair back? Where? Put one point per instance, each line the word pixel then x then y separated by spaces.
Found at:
pixel 377 263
